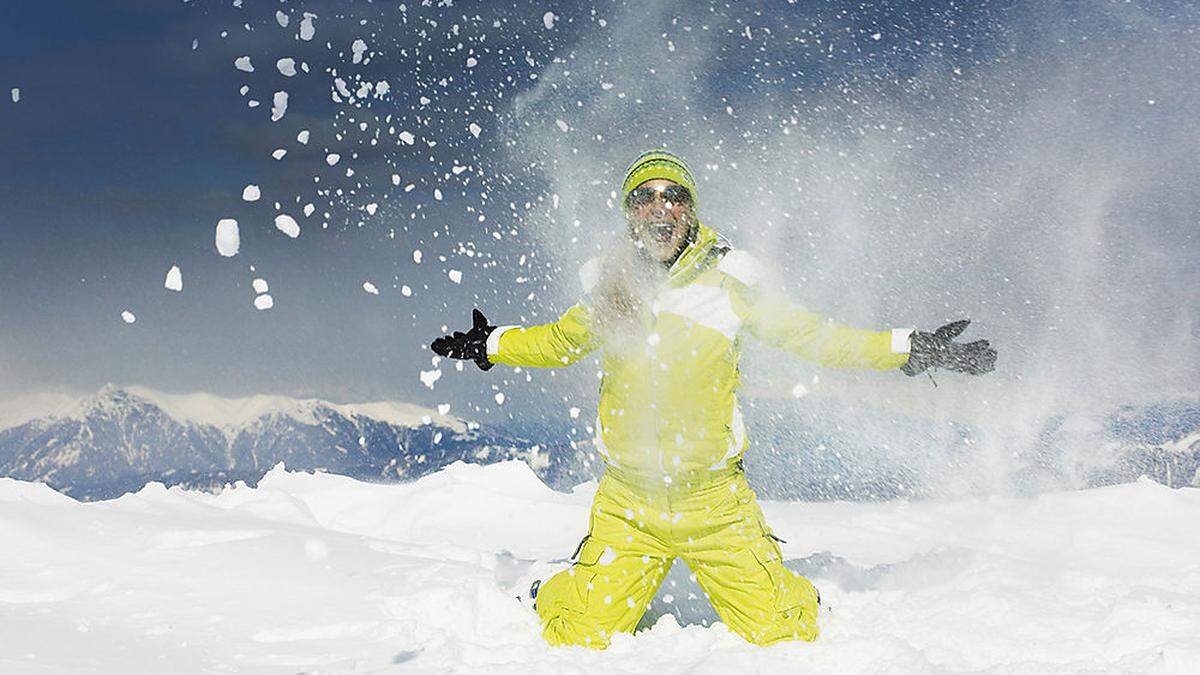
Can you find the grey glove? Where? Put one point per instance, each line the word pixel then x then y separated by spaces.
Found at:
pixel 937 350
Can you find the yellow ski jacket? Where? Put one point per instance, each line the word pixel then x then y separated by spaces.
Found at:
pixel 668 410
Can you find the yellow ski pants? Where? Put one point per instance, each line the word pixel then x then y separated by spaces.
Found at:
pixel 636 533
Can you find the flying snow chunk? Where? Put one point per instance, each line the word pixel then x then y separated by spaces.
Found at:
pixel 548 20
pixel 279 153
pixel 16 94
pixel 428 377
pixel 279 105
pixel 250 193
pixel 417 256
pixel 472 62
pixel 475 129
pixel 260 285
pixel 437 194
pixel 308 209
pixel 332 158
pixel 405 291
pixel 242 63
pixel 407 137
pixel 443 408
pixel 286 67
pixel 282 19
pixel 174 281
pixel 302 137
pixel 359 48
pixel 307 29
pixel 264 302
pixel 395 179
pixel 500 398
pixel 128 316
pixel 574 413
pixel 799 391
pixel 372 208
pixel 876 36
pixel 562 126
pixel 455 276
pixel 370 288
pixel 228 239
pixel 287 225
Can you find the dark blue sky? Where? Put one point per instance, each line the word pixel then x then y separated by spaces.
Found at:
pixel 903 164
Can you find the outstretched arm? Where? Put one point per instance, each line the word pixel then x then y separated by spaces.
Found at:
pixel 770 317
pixel 549 345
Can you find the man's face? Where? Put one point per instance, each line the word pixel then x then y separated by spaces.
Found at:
pixel 659 212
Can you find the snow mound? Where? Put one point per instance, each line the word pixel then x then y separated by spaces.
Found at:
pixel 316 572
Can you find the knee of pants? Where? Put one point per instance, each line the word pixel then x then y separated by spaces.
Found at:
pixel 561 605
pixel 788 612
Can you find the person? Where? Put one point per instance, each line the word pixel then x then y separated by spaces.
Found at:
pixel 669 312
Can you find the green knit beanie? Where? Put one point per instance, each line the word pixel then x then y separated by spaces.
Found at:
pixel 658 164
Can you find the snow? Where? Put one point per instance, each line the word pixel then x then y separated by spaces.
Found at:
pixel 281 18
pixel 279 104
pixel 475 129
pixel 429 377
pixel 278 153
pixel 307 29
pixel 324 573
pixel 407 137
pixel 287 225
pixel 562 126
pixel 416 255
pixel 128 316
pixel 358 48
pixel 332 158
pixel 228 240
pixel 302 137
pixel 174 280
pixel 286 67
pixel 263 302
pixel 370 288
pixel 455 276
pixel 251 193
pixel 548 20
pixel 16 94
pixel 260 285
pixel 242 63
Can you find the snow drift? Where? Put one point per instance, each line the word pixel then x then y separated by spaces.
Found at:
pixel 323 573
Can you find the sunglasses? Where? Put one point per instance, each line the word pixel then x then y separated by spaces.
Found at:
pixel 674 194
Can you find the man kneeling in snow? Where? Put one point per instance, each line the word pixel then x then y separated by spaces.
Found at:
pixel 669 311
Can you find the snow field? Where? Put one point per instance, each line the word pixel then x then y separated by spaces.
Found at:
pixel 322 573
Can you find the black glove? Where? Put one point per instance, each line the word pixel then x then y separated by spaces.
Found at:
pixel 935 350
pixel 468 346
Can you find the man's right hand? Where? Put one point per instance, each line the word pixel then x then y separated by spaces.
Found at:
pixel 468 346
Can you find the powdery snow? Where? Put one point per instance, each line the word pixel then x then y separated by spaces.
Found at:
pixel 174 280
pixel 325 573
pixel 307 29
pixel 279 104
pixel 287 225
pixel 227 238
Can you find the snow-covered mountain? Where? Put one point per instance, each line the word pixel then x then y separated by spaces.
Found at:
pixel 322 573
pixel 121 438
